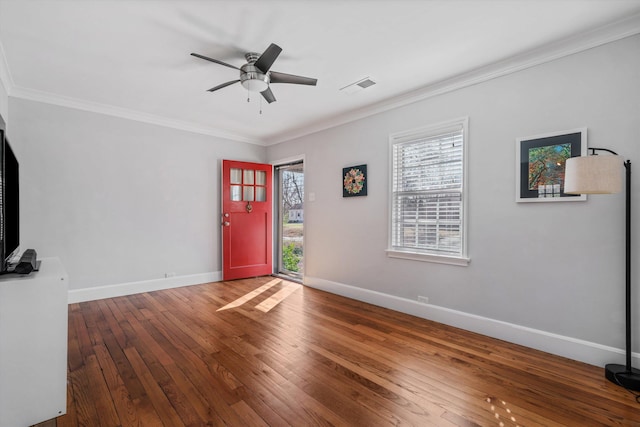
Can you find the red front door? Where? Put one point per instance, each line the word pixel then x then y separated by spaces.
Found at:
pixel 246 219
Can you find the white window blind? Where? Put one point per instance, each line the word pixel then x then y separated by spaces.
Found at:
pixel 427 206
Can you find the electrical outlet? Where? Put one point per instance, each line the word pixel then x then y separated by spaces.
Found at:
pixel 167 275
pixel 423 299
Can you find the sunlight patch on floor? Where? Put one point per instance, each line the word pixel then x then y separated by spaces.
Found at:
pixel 251 295
pixel 278 297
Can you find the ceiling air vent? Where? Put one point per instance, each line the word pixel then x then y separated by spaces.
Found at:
pixel 358 86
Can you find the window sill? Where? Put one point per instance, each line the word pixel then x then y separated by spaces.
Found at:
pixel 440 259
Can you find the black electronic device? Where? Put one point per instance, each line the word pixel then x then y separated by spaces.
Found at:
pixel 9 201
pixel 28 262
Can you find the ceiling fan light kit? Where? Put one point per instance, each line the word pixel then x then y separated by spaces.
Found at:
pixel 255 75
pixel 252 79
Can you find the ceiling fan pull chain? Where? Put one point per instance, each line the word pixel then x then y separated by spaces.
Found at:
pixel 261 105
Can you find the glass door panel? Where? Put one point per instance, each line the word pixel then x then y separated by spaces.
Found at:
pixel 236 193
pixel 248 176
pixel 290 188
pixel 235 176
pixel 248 193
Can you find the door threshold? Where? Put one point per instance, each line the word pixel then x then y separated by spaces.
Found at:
pixel 288 278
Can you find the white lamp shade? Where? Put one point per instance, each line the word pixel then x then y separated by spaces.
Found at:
pixel 593 175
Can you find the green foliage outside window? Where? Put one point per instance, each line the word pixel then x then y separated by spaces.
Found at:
pixel 290 258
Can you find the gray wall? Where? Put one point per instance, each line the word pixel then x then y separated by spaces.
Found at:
pixel 555 267
pixel 119 201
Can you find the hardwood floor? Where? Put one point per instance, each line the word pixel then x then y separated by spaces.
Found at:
pixel 281 354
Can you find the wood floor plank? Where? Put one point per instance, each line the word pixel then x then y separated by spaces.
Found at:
pixel 212 396
pixel 283 355
pixel 101 397
pixel 289 400
pixel 157 396
pixel 249 416
pixel 75 358
pixel 110 315
pixel 80 407
pixel 127 374
pixel 122 403
pixel 319 380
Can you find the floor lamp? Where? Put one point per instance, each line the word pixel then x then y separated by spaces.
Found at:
pixel 596 174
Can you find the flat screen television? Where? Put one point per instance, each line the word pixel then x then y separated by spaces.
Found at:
pixel 9 201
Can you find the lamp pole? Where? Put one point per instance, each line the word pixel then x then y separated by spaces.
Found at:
pixel 626 375
pixel 627 166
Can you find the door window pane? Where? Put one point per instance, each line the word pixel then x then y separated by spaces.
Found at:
pixel 248 193
pixel 248 176
pixel 236 193
pixel 236 176
pixel 261 194
pixel 261 178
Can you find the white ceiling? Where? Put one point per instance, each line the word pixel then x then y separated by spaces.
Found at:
pixel 131 58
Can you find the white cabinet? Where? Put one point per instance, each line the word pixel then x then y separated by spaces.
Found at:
pixel 33 345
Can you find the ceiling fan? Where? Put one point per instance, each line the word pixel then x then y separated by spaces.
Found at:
pixel 256 76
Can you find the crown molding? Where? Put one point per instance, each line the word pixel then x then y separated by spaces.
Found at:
pixel 125 113
pixel 612 32
pixel 33 95
pixel 48 98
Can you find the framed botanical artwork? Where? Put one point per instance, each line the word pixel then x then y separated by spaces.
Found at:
pixel 540 163
pixel 354 181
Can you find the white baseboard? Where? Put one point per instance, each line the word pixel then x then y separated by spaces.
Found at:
pixel 122 289
pixel 572 348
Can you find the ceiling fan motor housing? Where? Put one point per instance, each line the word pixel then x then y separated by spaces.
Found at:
pixel 251 77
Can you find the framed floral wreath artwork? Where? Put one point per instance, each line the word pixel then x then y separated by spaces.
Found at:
pixel 354 181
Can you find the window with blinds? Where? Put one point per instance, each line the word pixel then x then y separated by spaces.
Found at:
pixel 427 191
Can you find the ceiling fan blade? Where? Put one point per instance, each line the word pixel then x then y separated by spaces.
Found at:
pixel 268 57
pixel 268 95
pixel 197 55
pixel 222 85
pixel 277 77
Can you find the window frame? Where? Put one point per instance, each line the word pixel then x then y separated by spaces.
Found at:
pixel 419 133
